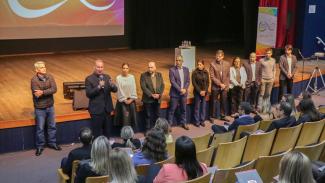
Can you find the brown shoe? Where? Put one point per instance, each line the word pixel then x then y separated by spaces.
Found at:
pixel 185 126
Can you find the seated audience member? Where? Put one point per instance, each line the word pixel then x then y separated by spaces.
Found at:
pixel 80 153
pixel 295 167
pixel 163 124
pixel 308 111
pixel 244 119
pixel 285 117
pixel 129 141
pixel 98 164
pixel 291 100
pixel 186 166
pixel 121 169
pixel 153 149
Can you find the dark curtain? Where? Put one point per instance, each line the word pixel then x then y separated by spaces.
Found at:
pixel 165 23
pixel 250 9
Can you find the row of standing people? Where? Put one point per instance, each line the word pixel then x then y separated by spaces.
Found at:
pixel 252 77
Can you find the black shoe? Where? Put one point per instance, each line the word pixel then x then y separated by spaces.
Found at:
pixel 39 151
pixel 197 124
pixel 202 124
pixel 185 127
pixel 211 120
pixel 55 147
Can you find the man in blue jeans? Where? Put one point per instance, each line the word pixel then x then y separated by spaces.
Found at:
pixel 43 87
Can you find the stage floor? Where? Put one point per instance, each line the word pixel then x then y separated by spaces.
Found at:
pixel 16 107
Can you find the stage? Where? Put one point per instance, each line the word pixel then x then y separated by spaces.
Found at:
pixel 16 99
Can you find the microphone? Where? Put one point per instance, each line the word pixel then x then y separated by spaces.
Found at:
pixel 101 78
pixel 301 54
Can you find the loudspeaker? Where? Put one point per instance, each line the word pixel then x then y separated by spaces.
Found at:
pixel 80 100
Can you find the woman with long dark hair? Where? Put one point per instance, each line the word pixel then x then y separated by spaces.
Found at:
pixel 186 166
pixel 308 111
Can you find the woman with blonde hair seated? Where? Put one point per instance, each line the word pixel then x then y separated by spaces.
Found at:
pixel 163 124
pixel 129 141
pixel 98 164
pixel 121 167
pixel 295 167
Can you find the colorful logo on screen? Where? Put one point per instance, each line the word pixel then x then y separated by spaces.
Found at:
pixel 24 12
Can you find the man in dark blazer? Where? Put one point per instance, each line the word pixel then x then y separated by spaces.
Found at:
pixel 179 77
pixel 288 68
pixel 253 82
pixel 98 89
pixel 220 78
pixel 152 85
pixel 244 118
pixel 80 153
pixel 285 120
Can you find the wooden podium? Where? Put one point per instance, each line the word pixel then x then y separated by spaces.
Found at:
pixel 189 56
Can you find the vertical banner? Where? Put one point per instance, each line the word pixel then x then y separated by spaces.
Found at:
pixel 266 29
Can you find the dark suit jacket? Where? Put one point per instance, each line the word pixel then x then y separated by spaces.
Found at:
pixel 284 67
pixel 200 81
pixel 80 153
pixel 216 77
pixel 246 120
pixel 147 87
pixel 305 118
pixel 175 81
pixel 100 100
pixel 249 72
pixel 281 123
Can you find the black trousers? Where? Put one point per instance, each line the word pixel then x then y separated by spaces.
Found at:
pixel 152 112
pixel 251 94
pixel 236 98
pixel 101 124
pixel 283 84
pixel 222 96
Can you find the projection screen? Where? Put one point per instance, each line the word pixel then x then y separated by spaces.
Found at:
pixel 34 19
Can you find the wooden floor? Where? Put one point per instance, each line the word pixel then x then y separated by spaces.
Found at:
pixel 16 107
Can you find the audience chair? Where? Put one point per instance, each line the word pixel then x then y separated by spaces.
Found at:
pixel 310 133
pixel 322 135
pixel 205 156
pixel 75 165
pixel 203 179
pixel 201 142
pixel 246 128
pixel 99 179
pixel 222 138
pixel 258 145
pixel 312 151
pixel 264 125
pixel 142 169
pixel 63 178
pixel 268 166
pixel 170 159
pixel 229 155
pixel 285 139
pixel 171 148
pixel 228 175
pixel 322 109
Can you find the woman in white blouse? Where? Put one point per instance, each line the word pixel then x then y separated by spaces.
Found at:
pixel 238 79
pixel 126 96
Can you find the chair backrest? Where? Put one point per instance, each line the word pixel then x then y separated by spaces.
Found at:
pixel 229 154
pixel 322 135
pixel 75 165
pixel 171 148
pixel 63 178
pixel 203 179
pixel 205 156
pixel 98 179
pixel 313 151
pixel 222 138
pixel 258 145
pixel 201 142
pixel 170 159
pixel 142 169
pixel 246 128
pixel 228 175
pixel 322 109
pixel 310 133
pixel 264 125
pixel 285 139
pixel 268 166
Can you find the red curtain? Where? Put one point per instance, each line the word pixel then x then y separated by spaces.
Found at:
pixel 286 20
